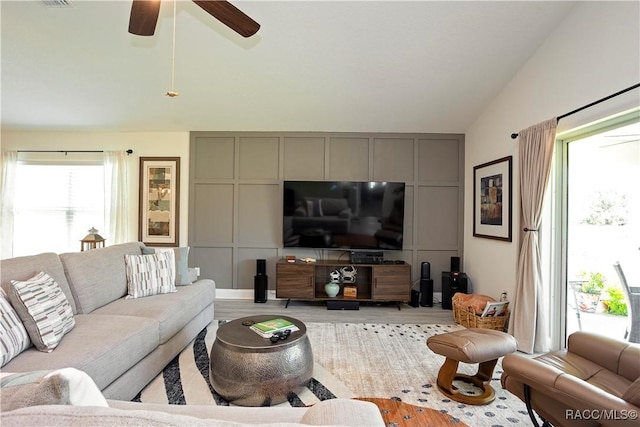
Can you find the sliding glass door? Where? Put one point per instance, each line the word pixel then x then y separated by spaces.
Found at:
pixel 601 201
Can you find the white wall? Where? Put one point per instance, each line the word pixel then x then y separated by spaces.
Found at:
pixel 143 144
pixel 595 52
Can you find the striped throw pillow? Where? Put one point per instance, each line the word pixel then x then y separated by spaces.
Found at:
pixel 13 336
pixel 150 274
pixel 44 310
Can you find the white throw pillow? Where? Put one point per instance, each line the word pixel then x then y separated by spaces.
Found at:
pixel 150 274
pixel 43 309
pixel 14 338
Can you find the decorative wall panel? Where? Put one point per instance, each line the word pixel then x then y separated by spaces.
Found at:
pixel 438 160
pixel 304 158
pixel 393 159
pixel 349 159
pixel 259 158
pixel 213 214
pixel 439 217
pixel 215 263
pixel 235 194
pixel 213 157
pixel 259 214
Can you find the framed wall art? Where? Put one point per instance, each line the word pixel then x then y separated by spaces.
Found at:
pixel 492 204
pixel 159 214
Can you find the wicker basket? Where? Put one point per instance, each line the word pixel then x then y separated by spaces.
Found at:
pixel 467 317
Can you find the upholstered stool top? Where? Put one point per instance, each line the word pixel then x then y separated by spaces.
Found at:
pixel 473 345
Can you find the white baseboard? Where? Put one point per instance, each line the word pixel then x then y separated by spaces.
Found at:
pixel 240 294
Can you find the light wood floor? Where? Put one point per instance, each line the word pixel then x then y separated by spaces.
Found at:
pixel 307 311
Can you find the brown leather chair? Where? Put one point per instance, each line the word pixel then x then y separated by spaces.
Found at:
pixel 595 381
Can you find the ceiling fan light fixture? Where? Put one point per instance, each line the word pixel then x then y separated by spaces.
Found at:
pixel 172 94
pixel 144 16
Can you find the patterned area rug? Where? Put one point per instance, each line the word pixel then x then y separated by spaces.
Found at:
pixel 387 361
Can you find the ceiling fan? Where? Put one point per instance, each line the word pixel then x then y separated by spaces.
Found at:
pixel 144 16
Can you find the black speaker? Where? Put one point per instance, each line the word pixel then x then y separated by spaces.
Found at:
pixel 452 282
pixel 455 264
pixel 260 288
pixel 425 270
pixel 261 267
pixel 260 282
pixel 426 292
pixel 426 285
pixel 415 298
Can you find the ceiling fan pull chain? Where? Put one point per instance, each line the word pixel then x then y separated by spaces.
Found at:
pixel 172 93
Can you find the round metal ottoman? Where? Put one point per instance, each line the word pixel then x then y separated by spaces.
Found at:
pixel 249 370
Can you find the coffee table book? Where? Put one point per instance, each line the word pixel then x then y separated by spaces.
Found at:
pixel 267 328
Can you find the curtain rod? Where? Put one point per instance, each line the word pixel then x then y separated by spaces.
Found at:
pixel 584 107
pixel 129 151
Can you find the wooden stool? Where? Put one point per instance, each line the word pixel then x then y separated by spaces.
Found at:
pixel 474 345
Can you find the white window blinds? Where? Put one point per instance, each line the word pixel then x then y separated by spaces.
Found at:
pixel 55 206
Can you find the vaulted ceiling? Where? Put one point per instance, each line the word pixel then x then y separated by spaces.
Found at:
pixel 377 66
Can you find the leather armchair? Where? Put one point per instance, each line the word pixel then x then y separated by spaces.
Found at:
pixel 595 381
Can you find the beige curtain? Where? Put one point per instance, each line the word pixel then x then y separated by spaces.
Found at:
pixel 8 164
pixel 528 321
pixel 116 201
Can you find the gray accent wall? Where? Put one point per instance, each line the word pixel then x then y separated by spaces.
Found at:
pixel 235 195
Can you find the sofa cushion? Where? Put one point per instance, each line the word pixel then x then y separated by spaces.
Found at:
pixel 66 386
pixel 22 268
pixel 13 336
pixel 43 308
pixel 632 395
pixel 97 277
pixel 150 274
pixel 172 311
pixel 104 347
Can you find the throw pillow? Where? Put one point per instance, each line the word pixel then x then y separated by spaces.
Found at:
pixel 43 309
pixel 183 275
pixel 150 274
pixel 182 266
pixel 13 336
pixel 67 386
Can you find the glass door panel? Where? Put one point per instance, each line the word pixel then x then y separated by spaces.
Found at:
pixel 603 227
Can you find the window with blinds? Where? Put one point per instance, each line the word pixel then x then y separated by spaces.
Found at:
pixel 55 206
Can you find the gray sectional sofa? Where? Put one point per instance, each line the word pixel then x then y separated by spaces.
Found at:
pixel 122 344
pixel 118 345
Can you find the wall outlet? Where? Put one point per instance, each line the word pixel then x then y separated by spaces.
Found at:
pixel 198 271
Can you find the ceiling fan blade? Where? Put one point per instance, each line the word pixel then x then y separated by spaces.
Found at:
pixel 230 16
pixel 144 16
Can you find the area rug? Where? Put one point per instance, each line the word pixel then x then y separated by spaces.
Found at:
pixel 364 360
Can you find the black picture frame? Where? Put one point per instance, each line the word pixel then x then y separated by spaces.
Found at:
pixel 492 199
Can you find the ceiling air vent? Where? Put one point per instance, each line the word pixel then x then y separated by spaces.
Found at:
pixel 57 3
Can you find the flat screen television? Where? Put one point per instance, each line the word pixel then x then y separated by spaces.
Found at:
pixel 343 215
